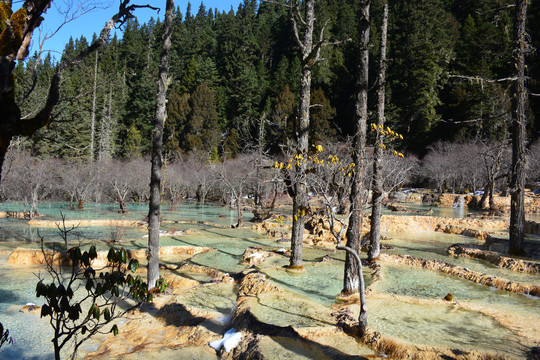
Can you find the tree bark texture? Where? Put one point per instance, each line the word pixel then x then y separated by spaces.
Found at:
pixel 354 231
pixel 300 202
pixel 517 183
pixel 377 184
pixel 157 145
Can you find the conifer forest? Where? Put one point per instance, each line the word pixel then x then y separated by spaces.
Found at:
pixel 231 72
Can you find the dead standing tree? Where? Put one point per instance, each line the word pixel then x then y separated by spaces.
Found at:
pixel 157 145
pixel 16 30
pixel 236 175
pixel 354 231
pixel 522 48
pixel 310 50
pixel 519 122
pixel 310 56
pixel 378 181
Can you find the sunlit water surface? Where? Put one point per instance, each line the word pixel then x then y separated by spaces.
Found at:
pixel 422 324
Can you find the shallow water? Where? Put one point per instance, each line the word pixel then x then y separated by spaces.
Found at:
pixel 320 282
pixel 438 325
pixel 31 334
pixel 187 211
pixel 433 246
pixel 217 297
pixel 426 284
pixel 318 285
pixel 420 209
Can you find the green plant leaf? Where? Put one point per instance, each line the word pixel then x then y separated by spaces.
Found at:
pixel 133 265
pixel 45 310
pixel 93 252
pixel 107 315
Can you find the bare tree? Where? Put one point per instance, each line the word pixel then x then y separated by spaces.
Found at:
pixel 310 55
pixel 397 171
pixel 438 165
pixel 310 50
pixel 30 179
pixel 377 183
pixel 354 231
pixel 79 181
pixel 119 175
pixel 157 146
pixel 139 179
pixel 235 175
pixel 493 155
pixel 16 38
pixel 199 177
pixel 519 123
pixel 176 187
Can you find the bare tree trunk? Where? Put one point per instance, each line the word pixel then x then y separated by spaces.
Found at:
pixel 239 211
pixel 377 190
pixel 517 183
pixel 258 200
pixel 300 200
pixel 93 117
pixel 354 231
pixel 157 145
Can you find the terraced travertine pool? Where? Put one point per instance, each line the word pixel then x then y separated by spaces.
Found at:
pixel 406 304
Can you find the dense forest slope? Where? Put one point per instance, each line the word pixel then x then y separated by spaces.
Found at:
pixel 236 72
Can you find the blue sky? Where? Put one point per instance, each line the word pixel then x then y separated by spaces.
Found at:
pixel 92 21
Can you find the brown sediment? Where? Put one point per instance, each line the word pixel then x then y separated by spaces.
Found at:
pixel 87 222
pixel 532 227
pixel 397 349
pixel 318 228
pixel 217 275
pixel 169 250
pixel 464 273
pixel 254 283
pixel 24 215
pixel 496 259
pixel 160 326
pixel 256 256
pixel 461 230
pixel 295 269
pixel 175 282
pixel 396 223
pixel 376 274
pixel 195 223
pixel 37 257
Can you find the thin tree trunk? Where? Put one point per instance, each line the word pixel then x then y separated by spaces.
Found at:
pixel 300 201
pixel 93 117
pixel 517 183
pixel 258 200
pixel 239 211
pixel 377 197
pixel 157 145
pixel 354 231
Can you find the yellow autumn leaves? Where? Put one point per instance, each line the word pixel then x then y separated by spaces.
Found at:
pixel 389 135
pixel 312 159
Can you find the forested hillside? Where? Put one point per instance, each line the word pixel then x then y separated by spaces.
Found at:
pixel 236 76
